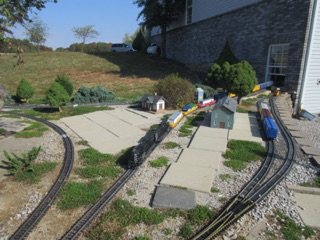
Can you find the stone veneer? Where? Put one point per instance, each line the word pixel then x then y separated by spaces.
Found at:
pixel 249 31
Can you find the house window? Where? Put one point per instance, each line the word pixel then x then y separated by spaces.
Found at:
pixel 277 63
pixel 214 123
pixel 189 11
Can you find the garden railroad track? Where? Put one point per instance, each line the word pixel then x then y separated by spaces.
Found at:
pixel 256 189
pixel 86 218
pixel 24 230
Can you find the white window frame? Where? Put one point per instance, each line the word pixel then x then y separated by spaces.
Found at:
pixel 281 52
pixel 189 4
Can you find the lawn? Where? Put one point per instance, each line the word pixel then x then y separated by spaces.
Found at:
pixel 128 75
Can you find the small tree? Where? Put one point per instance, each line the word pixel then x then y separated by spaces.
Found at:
pixel 139 42
pixel 241 79
pixel 218 75
pixel 57 96
pixel 84 33
pixel 24 90
pixel 176 90
pixel 16 164
pixel 37 32
pixel 64 81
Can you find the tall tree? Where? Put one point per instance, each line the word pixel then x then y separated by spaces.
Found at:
pixel 84 33
pixel 16 11
pixel 160 14
pixel 37 32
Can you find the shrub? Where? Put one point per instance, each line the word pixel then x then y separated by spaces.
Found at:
pixel 208 91
pixel 24 90
pixel 57 96
pixel 176 90
pixel 16 164
pixel 64 81
pixel 139 42
pixel 93 95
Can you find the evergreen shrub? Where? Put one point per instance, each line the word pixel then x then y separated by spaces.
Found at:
pixel 24 90
pixel 94 94
pixel 64 81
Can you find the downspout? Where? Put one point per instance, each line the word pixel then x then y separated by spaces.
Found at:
pixel 307 55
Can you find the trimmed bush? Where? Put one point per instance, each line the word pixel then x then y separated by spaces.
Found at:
pixel 93 95
pixel 57 96
pixel 64 81
pixel 176 90
pixel 24 90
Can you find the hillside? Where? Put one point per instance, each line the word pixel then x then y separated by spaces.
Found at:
pixel 128 75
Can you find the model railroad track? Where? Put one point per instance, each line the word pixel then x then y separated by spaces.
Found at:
pixel 256 189
pixel 23 231
pixel 87 218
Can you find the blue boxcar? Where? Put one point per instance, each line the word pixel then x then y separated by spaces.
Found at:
pixel 270 128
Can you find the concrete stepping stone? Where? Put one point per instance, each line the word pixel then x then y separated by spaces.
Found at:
pixel 293 128
pixel 317 160
pixel 304 142
pixel 169 197
pixel 311 150
pixel 298 134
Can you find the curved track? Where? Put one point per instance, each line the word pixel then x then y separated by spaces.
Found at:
pixel 86 218
pixel 23 231
pixel 256 189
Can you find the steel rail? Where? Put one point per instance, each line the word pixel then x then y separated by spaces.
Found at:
pixel 88 217
pixel 253 192
pixel 27 226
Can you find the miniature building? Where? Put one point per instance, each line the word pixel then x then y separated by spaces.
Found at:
pixel 153 102
pixel 222 115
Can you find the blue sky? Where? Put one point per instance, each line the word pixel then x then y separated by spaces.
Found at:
pixel 112 19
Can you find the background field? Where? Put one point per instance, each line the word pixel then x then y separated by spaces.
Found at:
pixel 128 75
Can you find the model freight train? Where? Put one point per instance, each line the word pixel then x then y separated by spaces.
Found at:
pixel 147 144
pixel 268 124
pixel 152 139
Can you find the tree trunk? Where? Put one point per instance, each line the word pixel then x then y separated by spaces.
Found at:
pixel 163 42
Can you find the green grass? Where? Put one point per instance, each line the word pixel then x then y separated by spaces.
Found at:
pixel 200 215
pixel 7 115
pixel 2 131
pixel 121 214
pixel 153 127
pixel 225 177
pixel 54 114
pixel 92 157
pixel 315 183
pixel 36 129
pixel 97 164
pixel 186 231
pixel 159 162
pixel 242 110
pixel 249 101
pixel 191 121
pixel 34 176
pixel 290 229
pixel 170 145
pixel 83 143
pixel 215 190
pixel 131 192
pixel 240 153
pixel 223 200
pixel 128 75
pixel 76 194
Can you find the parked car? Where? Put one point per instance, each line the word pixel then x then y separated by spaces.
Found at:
pixel 121 47
pixel 154 49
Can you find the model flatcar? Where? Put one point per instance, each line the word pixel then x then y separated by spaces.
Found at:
pixel 189 108
pixel 206 102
